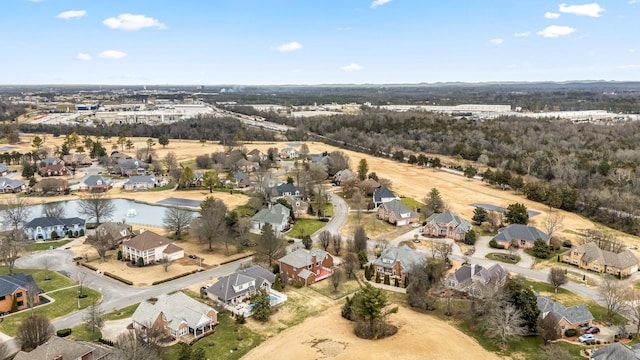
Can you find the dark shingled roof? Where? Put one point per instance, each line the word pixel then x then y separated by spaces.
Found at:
pixel 10 283
pixel 521 232
pixel 617 351
pixel 576 314
pixel 381 193
pixel 224 288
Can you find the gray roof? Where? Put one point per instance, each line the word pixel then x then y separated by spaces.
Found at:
pixel 225 289
pixel 146 241
pixel 465 272
pixel 12 183
pixel 130 164
pixel 276 214
pixel 381 193
pixel 319 158
pixel 114 230
pixel 3 167
pixel 53 221
pixel 448 217
pixel 521 232
pixel 590 252
pixel 143 179
pixel 285 188
pixel 177 308
pixel 576 314
pixel 241 177
pixel 399 209
pixel 617 351
pixel 403 254
pixel 68 349
pixel 303 258
pixel 92 180
pixel 10 283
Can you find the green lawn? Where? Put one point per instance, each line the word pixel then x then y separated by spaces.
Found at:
pixel 505 258
pixel 304 227
pixel 230 341
pixel 46 245
pixel 81 333
pixel 56 281
pixel 121 313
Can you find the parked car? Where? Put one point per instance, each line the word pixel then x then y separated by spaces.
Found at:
pixel 586 337
pixel 592 330
pixel 193 256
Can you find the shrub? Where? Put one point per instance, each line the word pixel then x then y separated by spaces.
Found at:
pixel 175 277
pixel 75 234
pixel 116 277
pixel 307 242
pixel 70 234
pixel 106 341
pixel 387 281
pixel 275 269
pixel 378 277
pixel 63 332
pixel 494 244
pixel 298 283
pixel 81 232
pixel 89 266
pixel 570 332
pixel 54 234
pixel 119 254
pixel 140 261
pixel 567 243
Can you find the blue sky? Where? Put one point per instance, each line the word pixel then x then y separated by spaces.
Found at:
pixel 262 42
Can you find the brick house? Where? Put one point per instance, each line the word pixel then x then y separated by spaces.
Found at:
pixel 396 213
pixel 572 317
pixel 58 169
pixel 520 236
pixel 96 183
pixel 590 257
pixel 57 348
pixel 447 224
pixel 474 279
pixel 20 287
pixel 176 315
pixel 396 262
pixel 50 185
pixel 306 266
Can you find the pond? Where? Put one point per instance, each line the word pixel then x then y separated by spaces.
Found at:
pixel 131 212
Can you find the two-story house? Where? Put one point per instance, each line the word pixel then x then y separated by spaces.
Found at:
pixel 448 225
pixel 151 247
pixel 95 183
pixel 242 284
pixel 590 257
pixel 276 215
pixel 307 266
pixel 382 194
pixel 47 228
pixel 396 213
pixel 474 280
pixel 20 287
pixel 397 262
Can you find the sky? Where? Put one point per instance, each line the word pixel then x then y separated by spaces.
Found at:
pixel 277 42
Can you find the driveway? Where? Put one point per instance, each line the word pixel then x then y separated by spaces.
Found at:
pixel 483 248
pixel 113 328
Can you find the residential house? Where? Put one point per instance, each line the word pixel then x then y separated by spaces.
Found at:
pixel 47 228
pixel 307 266
pixel 131 167
pixel 319 158
pixel 520 236
pixel 285 189
pixel 246 166
pixel 77 159
pixel 448 225
pixel 617 351
pixel 198 179
pixel 151 247
pixel 177 315
pixel 20 287
pixel 143 182
pixel 58 169
pixel 276 215
pixel 342 176
pixel 396 213
pixel 117 157
pixel 57 348
pixel 242 284
pixel 51 161
pixel 289 153
pixel 299 207
pixel 590 257
pixel 475 279
pixel 241 179
pixel 8 185
pixel 369 186
pixel 114 232
pixel 4 169
pixel 572 317
pixel 396 261
pixel 51 185
pixel 382 194
pixel 96 183
pixel 256 155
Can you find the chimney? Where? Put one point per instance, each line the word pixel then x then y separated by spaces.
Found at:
pixel 141 230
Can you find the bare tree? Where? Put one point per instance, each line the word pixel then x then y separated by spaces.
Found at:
pixel 336 279
pixel 444 250
pixel 548 328
pixel 269 246
pixel 505 324
pixel 4 350
pixel 359 239
pixel 605 241
pixel 633 301
pixel 46 264
pixel 55 210
pixel 494 219
pixel 12 244
pixel 96 206
pixel 553 222
pixel 170 162
pixel 357 200
pixel 33 294
pixel 34 331
pixel 557 277
pixel 556 352
pixel 424 278
pixel 165 262
pixel 177 220
pixel 132 346
pixel 93 319
pixel 350 264
pixel 99 242
pixel 613 294
pixel 16 212
pixel 337 243
pixel 325 239
pixel 81 278
pixel 211 225
pixel 337 161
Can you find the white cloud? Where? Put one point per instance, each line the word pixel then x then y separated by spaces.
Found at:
pixel 555 31
pixel 133 22
pixel 592 9
pixel 352 67
pixel 551 15
pixel 496 41
pixel 113 54
pixel 71 14
pixel 632 66
pixel 84 57
pixel 291 46
pixel 632 50
pixel 377 3
pixel 522 34
pixel 634 1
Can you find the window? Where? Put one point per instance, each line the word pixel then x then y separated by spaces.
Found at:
pixel 19 294
pixel 182 331
pixel 20 303
pixel 595 267
pixel 3 297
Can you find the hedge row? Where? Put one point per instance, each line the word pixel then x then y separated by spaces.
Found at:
pixel 89 266
pixel 114 276
pixel 240 258
pixel 175 277
pixel 106 341
pixel 63 332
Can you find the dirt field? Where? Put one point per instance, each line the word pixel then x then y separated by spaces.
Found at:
pixel 329 336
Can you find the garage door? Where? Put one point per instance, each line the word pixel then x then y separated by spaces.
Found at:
pixel 634 269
